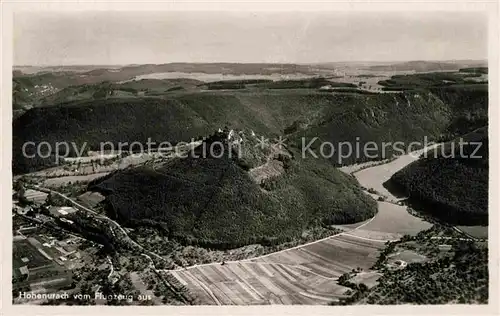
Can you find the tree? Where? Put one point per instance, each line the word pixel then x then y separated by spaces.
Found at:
pixel 362 287
pixel 56 200
pixel 344 278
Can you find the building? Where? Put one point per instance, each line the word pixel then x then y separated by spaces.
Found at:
pixel 445 247
pixel 33 267
pixel 22 210
pixel 34 196
pixel 60 211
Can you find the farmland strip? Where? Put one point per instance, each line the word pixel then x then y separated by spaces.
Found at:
pixel 291 287
pixel 357 240
pixel 178 277
pixel 282 272
pixel 322 261
pixel 350 257
pixel 250 290
pixel 236 270
pixel 200 274
pixel 271 286
pixel 218 272
pixel 322 298
pixel 322 270
pixel 204 287
pixel 220 292
pixel 263 268
pixel 248 267
pixel 230 289
pixel 222 271
pixel 291 271
pixel 244 280
pixel 199 290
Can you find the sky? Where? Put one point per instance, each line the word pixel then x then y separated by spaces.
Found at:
pixel 108 38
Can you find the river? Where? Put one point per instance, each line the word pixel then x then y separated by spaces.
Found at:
pixel 374 177
pixel 392 221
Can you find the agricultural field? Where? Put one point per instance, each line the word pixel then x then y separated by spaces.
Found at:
pixel 141 286
pixel 91 199
pixel 258 283
pixel 330 257
pixel 407 256
pixel 64 171
pixel 23 249
pixel 367 278
pixel 89 170
pixel 62 181
pixel 301 275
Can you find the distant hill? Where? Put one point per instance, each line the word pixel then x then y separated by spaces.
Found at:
pixel 109 90
pixel 430 80
pixel 34 85
pixel 449 185
pixel 28 70
pixel 423 66
pixel 74 75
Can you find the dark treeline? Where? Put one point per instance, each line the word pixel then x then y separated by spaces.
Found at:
pixel 87 228
pixel 234 84
pixel 313 83
pixel 426 80
pixel 479 70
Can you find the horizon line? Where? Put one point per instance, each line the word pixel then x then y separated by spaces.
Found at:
pixel 279 63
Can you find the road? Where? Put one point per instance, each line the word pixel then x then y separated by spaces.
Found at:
pixel 167 284
pixel 112 269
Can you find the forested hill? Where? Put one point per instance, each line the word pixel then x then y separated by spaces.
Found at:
pixel 220 203
pixel 333 117
pixel 451 185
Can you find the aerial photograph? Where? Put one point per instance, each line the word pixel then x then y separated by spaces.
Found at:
pixel 249 158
